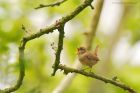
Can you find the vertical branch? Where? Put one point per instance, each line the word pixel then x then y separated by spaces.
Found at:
pixel 94 23
pixel 21 68
pixel 60 47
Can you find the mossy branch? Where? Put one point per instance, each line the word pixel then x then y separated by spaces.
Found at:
pixel 59 49
pixel 93 75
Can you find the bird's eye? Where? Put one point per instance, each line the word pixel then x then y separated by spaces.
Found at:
pixel 82 48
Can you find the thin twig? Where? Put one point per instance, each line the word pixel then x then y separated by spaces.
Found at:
pixel 51 5
pixel 92 75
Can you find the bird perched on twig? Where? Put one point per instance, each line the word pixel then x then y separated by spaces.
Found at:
pixel 88 58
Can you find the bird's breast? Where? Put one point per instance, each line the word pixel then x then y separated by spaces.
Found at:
pixel 86 61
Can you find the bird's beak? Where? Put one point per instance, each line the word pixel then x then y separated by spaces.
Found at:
pixel 77 49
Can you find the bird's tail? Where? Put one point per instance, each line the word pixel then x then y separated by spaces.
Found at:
pixel 96 50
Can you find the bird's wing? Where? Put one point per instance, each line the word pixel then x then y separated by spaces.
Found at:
pixel 90 56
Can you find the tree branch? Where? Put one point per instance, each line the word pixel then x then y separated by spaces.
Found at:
pixel 59 49
pixel 94 23
pixel 92 75
pixel 63 20
pixel 22 69
pixel 47 30
pixel 51 5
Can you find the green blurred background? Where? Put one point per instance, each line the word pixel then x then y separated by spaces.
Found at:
pixel 119 45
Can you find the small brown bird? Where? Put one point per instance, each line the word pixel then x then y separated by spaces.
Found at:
pixel 87 58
